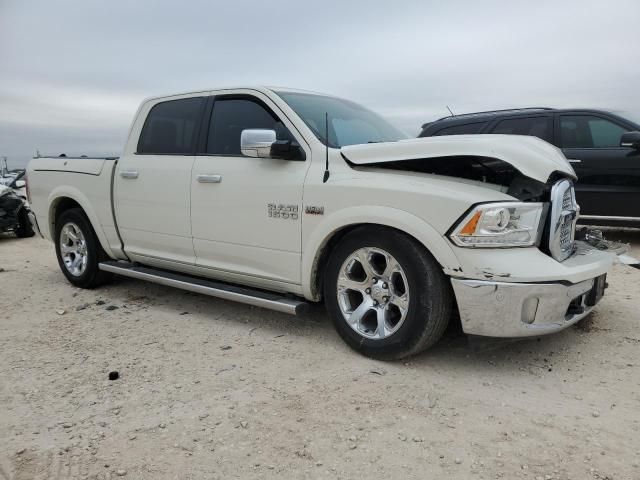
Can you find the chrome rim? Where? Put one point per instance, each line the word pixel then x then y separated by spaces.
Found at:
pixel 73 249
pixel 373 293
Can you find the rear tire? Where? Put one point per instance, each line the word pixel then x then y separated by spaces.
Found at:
pixel 24 228
pixel 78 250
pixel 396 306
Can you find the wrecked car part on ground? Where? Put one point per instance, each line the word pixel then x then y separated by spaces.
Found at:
pixel 14 210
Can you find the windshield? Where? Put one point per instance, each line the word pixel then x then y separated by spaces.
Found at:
pixel 627 115
pixel 633 116
pixel 349 123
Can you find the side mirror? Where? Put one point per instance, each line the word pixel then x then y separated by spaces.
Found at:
pixel 20 184
pixel 262 143
pixel 257 142
pixel 630 140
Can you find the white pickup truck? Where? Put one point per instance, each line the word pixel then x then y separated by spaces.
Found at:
pixel 278 197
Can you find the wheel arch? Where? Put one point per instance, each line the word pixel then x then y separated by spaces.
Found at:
pixel 331 230
pixel 63 200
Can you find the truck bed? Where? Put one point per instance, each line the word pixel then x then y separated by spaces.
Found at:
pixel 88 181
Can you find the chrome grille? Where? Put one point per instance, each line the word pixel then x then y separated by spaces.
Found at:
pixel 567 201
pixel 564 214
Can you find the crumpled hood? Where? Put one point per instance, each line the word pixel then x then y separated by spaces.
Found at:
pixel 532 156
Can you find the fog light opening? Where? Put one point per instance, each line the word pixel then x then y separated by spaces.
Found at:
pixel 529 310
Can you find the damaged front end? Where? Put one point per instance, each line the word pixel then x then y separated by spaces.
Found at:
pixel 525 168
pixel 510 285
pixel 13 212
pixel 498 306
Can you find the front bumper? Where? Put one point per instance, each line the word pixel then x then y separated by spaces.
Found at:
pixel 503 309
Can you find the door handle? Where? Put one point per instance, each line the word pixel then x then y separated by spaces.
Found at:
pixel 209 178
pixel 129 174
pixel 574 160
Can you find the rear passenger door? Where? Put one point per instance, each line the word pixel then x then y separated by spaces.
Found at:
pixel 153 179
pixel 246 211
pixel 608 175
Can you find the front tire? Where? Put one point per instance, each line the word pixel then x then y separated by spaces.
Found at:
pixel 78 250
pixel 387 296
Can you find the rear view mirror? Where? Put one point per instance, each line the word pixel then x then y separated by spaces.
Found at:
pixel 257 142
pixel 630 140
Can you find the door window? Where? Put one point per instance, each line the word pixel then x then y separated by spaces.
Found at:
pixel 467 128
pixel 586 131
pixel 231 116
pixel 170 127
pixel 534 126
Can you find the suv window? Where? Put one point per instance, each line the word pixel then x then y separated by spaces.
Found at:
pixel 170 127
pixel 467 128
pixel 586 131
pixel 231 116
pixel 534 126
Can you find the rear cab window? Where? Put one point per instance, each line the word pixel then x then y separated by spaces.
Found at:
pixel 171 127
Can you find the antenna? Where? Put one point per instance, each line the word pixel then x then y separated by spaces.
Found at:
pixel 326 142
pixel 452 114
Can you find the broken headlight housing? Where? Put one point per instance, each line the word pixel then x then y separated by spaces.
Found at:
pixel 503 224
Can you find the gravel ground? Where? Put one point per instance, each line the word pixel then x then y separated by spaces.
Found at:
pixel 212 389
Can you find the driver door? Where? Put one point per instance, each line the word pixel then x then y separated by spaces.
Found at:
pixel 246 212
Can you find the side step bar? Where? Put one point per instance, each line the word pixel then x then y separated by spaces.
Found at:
pixel 212 288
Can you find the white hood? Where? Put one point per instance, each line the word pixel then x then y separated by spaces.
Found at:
pixel 533 157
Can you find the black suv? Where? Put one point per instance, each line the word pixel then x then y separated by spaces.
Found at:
pixel 603 148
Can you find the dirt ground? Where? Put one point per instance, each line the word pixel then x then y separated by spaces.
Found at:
pixel 211 389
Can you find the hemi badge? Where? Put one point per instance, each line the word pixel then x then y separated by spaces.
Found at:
pixel 312 210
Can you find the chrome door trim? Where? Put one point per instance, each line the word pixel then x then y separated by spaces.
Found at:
pixel 574 160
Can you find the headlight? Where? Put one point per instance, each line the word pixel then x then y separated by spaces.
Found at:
pixel 504 224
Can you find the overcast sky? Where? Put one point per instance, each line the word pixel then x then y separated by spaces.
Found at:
pixel 72 73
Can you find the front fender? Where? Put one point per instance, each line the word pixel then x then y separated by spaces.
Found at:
pixel 67 191
pixel 320 233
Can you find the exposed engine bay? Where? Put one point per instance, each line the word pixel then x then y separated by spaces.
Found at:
pixel 481 169
pixel 499 172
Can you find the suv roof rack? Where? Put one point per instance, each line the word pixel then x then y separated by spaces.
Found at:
pixel 514 110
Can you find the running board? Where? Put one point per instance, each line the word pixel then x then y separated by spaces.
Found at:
pixel 212 288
